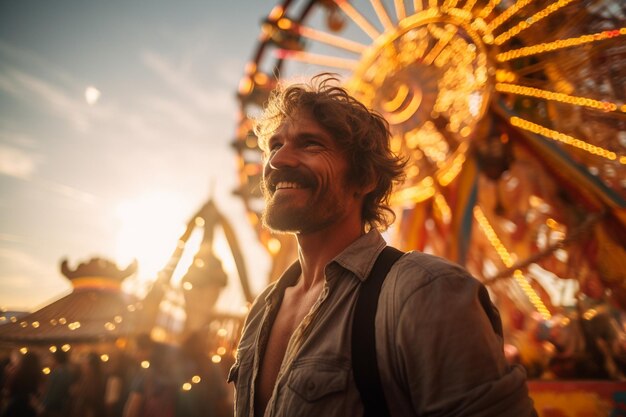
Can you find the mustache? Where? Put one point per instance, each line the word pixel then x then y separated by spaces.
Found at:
pixel 288 174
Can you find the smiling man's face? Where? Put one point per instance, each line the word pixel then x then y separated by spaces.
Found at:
pixel 305 179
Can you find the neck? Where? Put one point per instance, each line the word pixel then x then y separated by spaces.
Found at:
pixel 316 250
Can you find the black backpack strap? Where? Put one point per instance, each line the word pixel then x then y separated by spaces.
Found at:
pixel 364 361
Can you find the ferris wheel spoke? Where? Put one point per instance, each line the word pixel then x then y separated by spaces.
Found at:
pixel 507 14
pixel 508 259
pixel 449 4
pixel 400 9
pixel 567 139
pixel 528 23
pixel 469 5
pixel 486 11
pixel 533 50
pixel 329 39
pixel 605 106
pixel 439 46
pixel 358 19
pixel 382 14
pixel 417 6
pixel 317 59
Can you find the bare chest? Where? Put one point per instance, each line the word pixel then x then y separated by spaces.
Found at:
pixel 292 311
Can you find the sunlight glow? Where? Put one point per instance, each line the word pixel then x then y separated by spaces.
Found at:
pixel 148 231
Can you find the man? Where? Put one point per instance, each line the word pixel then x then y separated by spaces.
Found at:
pixel 328 174
pixel 56 397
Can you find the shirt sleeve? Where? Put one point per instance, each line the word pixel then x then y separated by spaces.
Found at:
pixel 450 352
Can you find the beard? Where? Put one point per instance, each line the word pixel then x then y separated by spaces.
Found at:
pixel 305 217
pixel 318 208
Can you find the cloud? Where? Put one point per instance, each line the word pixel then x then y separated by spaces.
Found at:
pixel 22 261
pixel 69 192
pixel 17 163
pixel 21 272
pixel 212 102
pixel 26 59
pixel 156 119
pixel 27 87
pixel 176 113
pixel 17 138
pixel 23 165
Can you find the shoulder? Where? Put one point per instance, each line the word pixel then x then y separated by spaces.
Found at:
pixel 434 288
pixel 423 289
pixel 417 271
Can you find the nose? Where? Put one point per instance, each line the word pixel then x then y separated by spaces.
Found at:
pixel 283 156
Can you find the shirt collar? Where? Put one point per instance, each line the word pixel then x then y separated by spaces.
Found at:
pixel 358 258
pixel 287 279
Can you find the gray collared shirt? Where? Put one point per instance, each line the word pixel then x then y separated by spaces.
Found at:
pixel 438 341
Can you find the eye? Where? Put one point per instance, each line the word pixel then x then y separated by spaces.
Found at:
pixel 273 146
pixel 313 143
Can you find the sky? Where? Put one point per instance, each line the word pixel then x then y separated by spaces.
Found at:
pixel 116 119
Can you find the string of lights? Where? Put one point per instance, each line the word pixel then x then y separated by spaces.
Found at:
pixel 603 105
pixel 508 261
pixel 566 139
pixel 526 23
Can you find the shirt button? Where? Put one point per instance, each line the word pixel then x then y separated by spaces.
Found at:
pixel 311 386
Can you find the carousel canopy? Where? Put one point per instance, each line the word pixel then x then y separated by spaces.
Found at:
pixel 96 310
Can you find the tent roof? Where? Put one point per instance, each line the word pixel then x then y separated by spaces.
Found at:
pixel 86 315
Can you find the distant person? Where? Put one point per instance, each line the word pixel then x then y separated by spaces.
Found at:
pixel 208 395
pixel 90 388
pixel 154 391
pixel 327 179
pixel 120 374
pixel 6 365
pixel 22 386
pixel 56 398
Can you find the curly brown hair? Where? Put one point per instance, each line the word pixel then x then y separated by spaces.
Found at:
pixel 362 134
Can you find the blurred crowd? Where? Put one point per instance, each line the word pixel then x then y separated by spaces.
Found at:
pixel 155 380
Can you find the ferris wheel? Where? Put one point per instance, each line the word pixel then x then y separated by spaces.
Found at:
pixel 513 117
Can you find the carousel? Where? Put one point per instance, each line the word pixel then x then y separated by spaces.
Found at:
pixel 95 312
pixel 513 117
